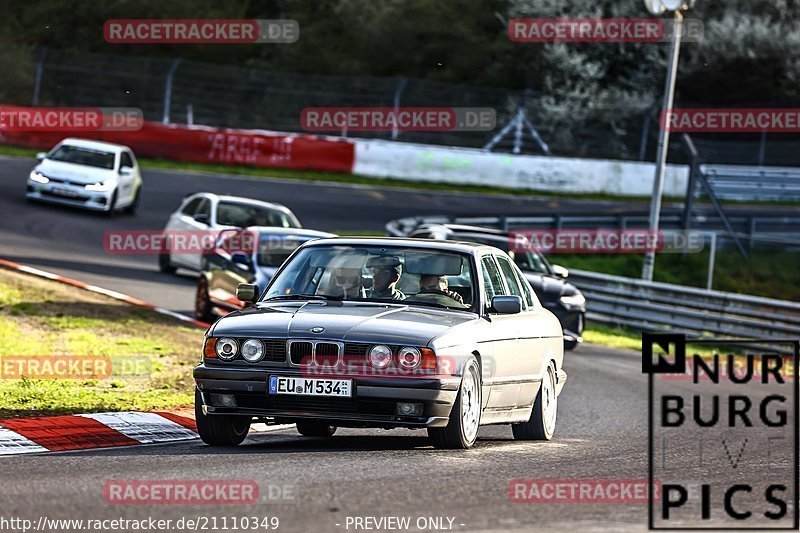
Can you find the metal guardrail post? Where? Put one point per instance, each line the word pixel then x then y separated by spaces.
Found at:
pixel 712 256
pixel 168 91
pixel 37 83
pixel 401 85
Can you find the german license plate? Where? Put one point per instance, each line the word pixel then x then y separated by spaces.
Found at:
pixel 64 192
pixel 310 386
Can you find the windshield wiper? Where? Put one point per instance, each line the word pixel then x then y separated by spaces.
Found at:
pixel 302 297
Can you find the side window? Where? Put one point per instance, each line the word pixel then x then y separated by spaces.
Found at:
pixel 529 297
pixel 191 207
pixel 205 208
pixel 491 279
pixel 511 277
pixel 126 160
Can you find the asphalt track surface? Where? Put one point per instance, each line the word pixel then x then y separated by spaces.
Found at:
pixel 602 418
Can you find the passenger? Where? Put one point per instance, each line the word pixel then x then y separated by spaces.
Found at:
pixel 347 283
pixel 386 272
pixel 434 284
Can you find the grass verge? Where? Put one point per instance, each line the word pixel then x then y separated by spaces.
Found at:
pixel 150 356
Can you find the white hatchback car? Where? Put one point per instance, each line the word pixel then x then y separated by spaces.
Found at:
pixel 90 174
pixel 205 211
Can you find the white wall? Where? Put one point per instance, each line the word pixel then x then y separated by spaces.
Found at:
pixel 383 159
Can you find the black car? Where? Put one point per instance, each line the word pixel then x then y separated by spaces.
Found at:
pixel 562 298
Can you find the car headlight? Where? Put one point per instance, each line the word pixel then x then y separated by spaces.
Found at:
pixel 408 358
pixel 226 348
pixel 573 300
pixel 253 350
pixel 380 356
pixel 102 186
pixel 39 178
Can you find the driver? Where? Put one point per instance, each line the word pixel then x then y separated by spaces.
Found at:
pixel 435 284
pixel 386 272
pixel 347 283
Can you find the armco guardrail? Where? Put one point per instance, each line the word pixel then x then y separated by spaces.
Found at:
pixel 655 306
pixel 648 305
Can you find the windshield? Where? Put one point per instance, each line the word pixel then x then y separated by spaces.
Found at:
pixel 273 250
pixel 244 215
pixel 412 276
pixel 83 156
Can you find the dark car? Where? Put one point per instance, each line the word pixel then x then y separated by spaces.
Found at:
pixel 562 298
pixel 334 342
pixel 250 255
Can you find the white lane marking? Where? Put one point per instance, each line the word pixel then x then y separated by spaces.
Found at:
pixel 144 427
pixel 12 443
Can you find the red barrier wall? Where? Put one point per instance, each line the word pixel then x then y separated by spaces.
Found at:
pixel 200 144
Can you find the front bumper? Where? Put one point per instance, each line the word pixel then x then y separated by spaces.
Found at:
pixel 68 195
pixel 373 403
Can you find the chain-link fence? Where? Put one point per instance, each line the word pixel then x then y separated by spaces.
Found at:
pixel 192 92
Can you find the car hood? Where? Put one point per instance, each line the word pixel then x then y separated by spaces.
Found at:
pixel 80 174
pixel 343 321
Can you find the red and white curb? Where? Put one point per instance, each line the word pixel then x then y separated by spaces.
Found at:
pixel 100 430
pixel 99 290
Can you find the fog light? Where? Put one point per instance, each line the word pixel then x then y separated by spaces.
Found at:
pixel 409 409
pixel 223 400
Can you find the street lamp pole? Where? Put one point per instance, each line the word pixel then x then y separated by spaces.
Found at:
pixel 663 141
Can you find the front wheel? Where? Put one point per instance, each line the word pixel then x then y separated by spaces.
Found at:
pixel 134 205
pixel 219 430
pixel 112 204
pixel 164 262
pixel 315 428
pixel 542 423
pixel 465 417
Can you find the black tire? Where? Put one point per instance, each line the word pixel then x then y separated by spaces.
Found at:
pixel 538 427
pixel 219 430
pixel 164 263
pixel 134 205
pixel 455 435
pixel 202 306
pixel 112 204
pixel 570 345
pixel 315 428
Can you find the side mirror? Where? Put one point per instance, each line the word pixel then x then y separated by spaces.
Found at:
pixel 560 271
pixel 507 305
pixel 40 156
pixel 125 171
pixel 202 218
pixel 242 261
pixel 247 292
